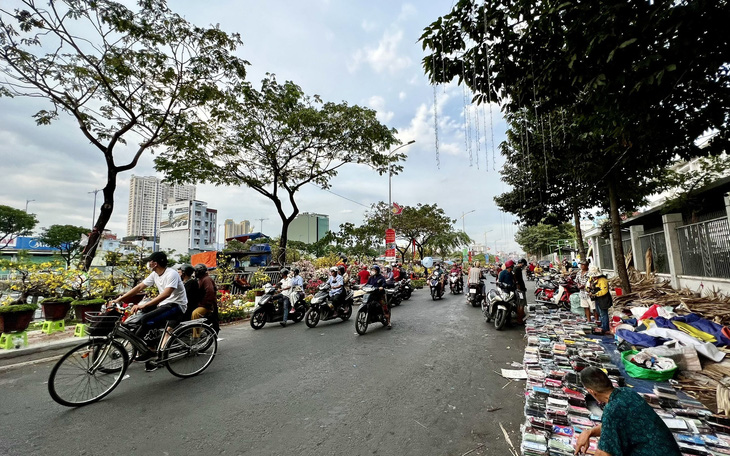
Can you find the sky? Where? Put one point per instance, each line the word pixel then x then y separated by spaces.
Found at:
pixel 364 53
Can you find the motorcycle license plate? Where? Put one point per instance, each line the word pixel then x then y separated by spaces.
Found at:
pixel 473 291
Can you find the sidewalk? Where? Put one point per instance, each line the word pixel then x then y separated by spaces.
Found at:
pixel 40 346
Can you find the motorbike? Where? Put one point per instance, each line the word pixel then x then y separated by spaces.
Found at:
pixel 406 288
pixel 271 307
pixel 530 275
pixel 434 282
pixel 456 283
pixel 393 295
pixel 555 294
pixel 500 305
pixel 370 310
pixel 319 308
pixel 476 294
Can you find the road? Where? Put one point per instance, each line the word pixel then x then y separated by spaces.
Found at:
pixel 428 387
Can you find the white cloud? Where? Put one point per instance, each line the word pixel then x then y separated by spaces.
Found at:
pixel 368 26
pixel 378 103
pixel 407 11
pixel 402 96
pixel 384 58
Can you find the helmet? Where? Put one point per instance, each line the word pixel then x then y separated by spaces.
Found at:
pixel 522 261
pixel 364 267
pixel 509 264
pixel 201 269
pixel 341 269
pixel 388 268
pixel 187 270
pixel 376 268
pixel 284 271
pixel 295 271
pixel 333 269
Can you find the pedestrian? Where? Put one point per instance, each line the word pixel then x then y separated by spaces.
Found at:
pixel 600 293
pixel 581 279
pixel 192 290
pixel 364 275
pixel 208 305
pixel 521 290
pixel 629 426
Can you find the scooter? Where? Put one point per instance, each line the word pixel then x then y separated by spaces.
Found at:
pixel 455 283
pixel 406 288
pixel 271 308
pixel 320 307
pixel 370 310
pixel 500 306
pixel 434 282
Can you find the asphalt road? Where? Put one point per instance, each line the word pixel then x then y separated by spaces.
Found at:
pixel 428 387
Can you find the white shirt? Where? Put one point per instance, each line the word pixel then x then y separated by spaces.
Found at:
pixel 286 283
pixel 169 279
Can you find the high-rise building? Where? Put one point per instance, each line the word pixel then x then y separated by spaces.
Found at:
pixel 187 226
pixel 236 229
pixel 147 194
pixel 308 227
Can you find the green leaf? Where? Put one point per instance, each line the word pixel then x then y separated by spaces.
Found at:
pixel 627 43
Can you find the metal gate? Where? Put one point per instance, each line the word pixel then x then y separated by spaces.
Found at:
pixel 658 244
pixel 705 248
pixel 606 255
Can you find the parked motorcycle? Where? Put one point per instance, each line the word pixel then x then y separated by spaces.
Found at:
pixel 456 283
pixel 370 310
pixel 393 295
pixel 500 306
pixel 530 275
pixel 271 307
pixel 319 308
pixel 406 288
pixel 434 282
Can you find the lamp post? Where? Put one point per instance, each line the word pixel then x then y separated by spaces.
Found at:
pixel 26 205
pixel 464 214
pixel 390 179
pixel 93 214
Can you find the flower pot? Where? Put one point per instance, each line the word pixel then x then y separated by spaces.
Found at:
pixel 15 321
pixel 55 310
pixel 80 311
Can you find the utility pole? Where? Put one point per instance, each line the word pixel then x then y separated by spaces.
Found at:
pixel 26 205
pixel 93 214
pixel 464 214
pixel 390 178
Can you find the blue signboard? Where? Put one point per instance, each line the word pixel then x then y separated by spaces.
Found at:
pixel 29 243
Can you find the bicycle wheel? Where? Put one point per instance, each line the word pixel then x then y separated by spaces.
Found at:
pixel 72 384
pixel 190 350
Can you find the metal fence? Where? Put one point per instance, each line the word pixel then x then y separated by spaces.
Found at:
pixel 658 245
pixel 606 255
pixel 627 246
pixel 705 248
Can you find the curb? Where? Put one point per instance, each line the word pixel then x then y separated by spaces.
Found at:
pixel 22 355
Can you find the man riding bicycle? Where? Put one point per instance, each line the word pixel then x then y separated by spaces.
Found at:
pixel 169 305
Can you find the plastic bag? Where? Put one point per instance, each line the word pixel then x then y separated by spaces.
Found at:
pixel 639 372
pixel 575 304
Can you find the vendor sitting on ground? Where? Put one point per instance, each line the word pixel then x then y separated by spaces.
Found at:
pixel 629 426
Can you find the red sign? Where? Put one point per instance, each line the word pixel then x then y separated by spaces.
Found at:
pixel 390 243
pixel 397 210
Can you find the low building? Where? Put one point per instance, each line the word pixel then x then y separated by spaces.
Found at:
pixel 188 227
pixel 308 227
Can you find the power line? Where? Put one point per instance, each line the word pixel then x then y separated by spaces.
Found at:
pixel 343 197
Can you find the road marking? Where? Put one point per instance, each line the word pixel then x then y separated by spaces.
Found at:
pixel 30 363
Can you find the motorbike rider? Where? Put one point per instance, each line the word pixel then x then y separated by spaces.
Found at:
pixel 192 290
pixel 364 275
pixel 506 278
pixel 440 276
pixel 396 273
pixel 297 286
pixel 345 276
pixel 520 284
pixel 336 286
pixel 169 305
pixel 378 281
pixel 475 277
pixel 285 285
pixel 459 274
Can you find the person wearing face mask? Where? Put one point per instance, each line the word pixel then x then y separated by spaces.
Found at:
pixel 169 305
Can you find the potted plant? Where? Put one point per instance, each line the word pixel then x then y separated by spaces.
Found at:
pixel 16 316
pixel 88 305
pixel 56 308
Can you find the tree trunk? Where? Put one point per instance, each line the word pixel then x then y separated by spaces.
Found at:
pixel 105 214
pixel 618 247
pixel 281 258
pixel 579 232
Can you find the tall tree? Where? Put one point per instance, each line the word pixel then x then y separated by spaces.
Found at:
pixel 278 139
pixel 132 80
pixel 66 238
pixel 542 239
pixel 629 72
pixel 14 223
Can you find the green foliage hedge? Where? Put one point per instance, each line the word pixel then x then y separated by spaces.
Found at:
pixel 89 302
pixel 17 308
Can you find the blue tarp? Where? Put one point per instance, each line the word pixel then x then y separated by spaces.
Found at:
pixel 639 339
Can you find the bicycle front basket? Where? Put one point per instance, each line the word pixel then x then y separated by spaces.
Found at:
pixel 101 323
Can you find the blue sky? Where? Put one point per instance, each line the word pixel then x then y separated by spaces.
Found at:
pixel 364 53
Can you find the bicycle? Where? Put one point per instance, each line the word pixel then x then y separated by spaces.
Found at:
pixel 91 370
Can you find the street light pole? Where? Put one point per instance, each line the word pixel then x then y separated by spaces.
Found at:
pixel 464 214
pixel 390 186
pixel 93 214
pixel 26 205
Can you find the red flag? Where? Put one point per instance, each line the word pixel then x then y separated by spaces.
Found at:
pixel 397 210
